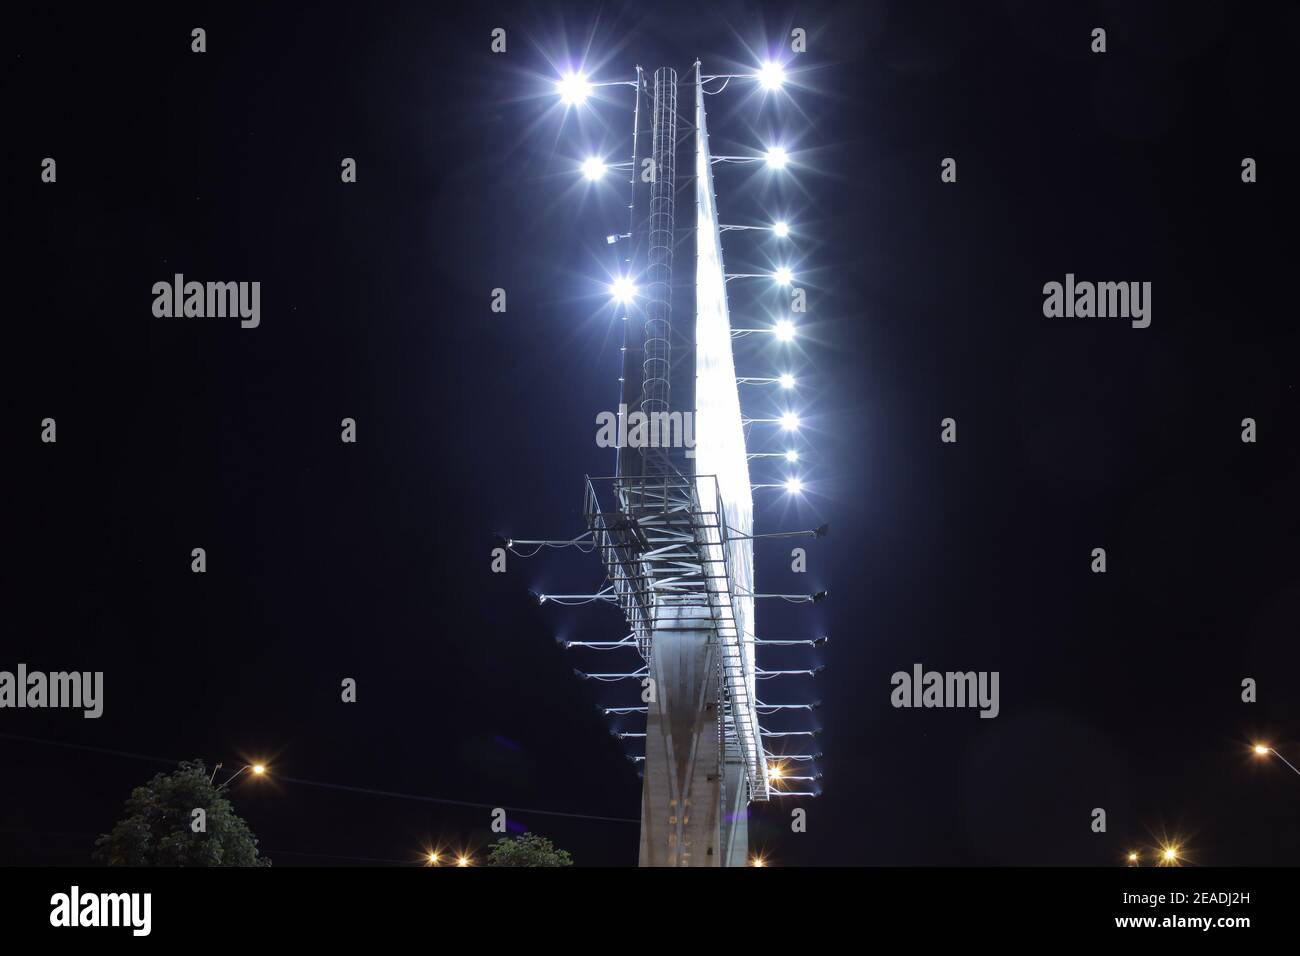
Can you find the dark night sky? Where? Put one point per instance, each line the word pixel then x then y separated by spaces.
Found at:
pixel 371 560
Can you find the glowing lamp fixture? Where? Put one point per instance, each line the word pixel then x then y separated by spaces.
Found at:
pixel 573 89
pixel 623 289
pixel 771 76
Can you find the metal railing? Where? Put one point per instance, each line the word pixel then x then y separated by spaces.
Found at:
pixel 661 547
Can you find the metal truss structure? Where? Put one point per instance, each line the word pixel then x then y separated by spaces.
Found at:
pixel 663 547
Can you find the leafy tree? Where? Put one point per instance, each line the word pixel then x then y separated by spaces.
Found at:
pixel 158 827
pixel 528 849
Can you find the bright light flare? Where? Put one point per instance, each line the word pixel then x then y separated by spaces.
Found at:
pixel 758 861
pixel 462 861
pixel 1169 855
pixel 784 330
pixel 792 456
pixel 593 168
pixel 1262 749
pixel 777 157
pixel 787 380
pixel 772 75
pixel 259 769
pixel 781 229
pixel 790 421
pixel 573 88
pixel 783 276
pixel 623 289
pixel 793 485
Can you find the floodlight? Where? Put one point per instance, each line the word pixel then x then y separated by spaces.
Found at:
pixel 781 229
pixel 783 276
pixel 786 380
pixel 777 157
pixel 784 330
pixel 1261 749
pixel 793 485
pixel 790 421
pixel 623 289
pixel 259 769
pixel 573 89
pixel 593 168
pixel 771 76
pixel 791 455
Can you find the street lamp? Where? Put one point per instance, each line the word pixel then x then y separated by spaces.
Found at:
pixel 257 770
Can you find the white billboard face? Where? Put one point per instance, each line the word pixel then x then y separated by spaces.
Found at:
pixel 720 446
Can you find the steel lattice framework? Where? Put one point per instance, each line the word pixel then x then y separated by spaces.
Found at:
pixel 663 547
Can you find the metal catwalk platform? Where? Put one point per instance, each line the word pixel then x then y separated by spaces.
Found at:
pixel 667 555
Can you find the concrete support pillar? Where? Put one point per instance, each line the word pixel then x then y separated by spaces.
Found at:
pixel 735 814
pixel 682 795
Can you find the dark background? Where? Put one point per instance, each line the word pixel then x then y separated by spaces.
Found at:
pixel 371 561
